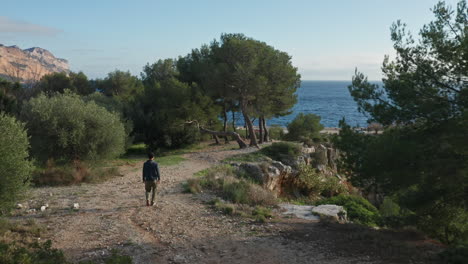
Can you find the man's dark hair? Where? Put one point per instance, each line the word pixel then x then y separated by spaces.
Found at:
pixel 150 155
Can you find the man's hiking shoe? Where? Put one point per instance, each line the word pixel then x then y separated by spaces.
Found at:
pixel 152 203
pixel 147 203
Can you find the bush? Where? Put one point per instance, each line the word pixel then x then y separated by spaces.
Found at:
pixel 276 132
pixel 359 209
pixel 389 208
pixel 313 184
pixel 15 169
pixel 34 253
pixel 72 173
pixel 456 254
pixel 282 151
pixel 222 179
pixel 225 208
pixel 64 127
pixel 261 214
pixel 117 258
pixel 304 127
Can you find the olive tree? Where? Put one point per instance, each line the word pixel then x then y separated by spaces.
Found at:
pixel 65 127
pixel 15 167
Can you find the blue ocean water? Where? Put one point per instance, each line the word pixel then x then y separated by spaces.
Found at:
pixel 328 99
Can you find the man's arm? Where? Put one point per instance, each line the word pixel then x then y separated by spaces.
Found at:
pixel 157 171
pixel 143 173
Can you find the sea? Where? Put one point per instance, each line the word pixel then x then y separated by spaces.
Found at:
pixel 328 99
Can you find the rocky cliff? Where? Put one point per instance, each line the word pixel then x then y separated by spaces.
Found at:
pixel 28 64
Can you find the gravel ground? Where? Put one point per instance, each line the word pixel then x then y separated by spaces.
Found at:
pixel 182 228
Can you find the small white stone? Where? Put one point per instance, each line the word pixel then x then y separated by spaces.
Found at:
pixel 76 206
pixel 43 208
pixel 19 206
pixel 46 205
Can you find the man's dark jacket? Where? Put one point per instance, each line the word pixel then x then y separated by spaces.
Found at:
pixel 150 171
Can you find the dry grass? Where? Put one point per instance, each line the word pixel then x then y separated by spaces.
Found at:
pixel 74 173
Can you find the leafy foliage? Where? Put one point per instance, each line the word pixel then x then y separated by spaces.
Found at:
pixel 162 120
pixel 8 96
pixel 359 210
pixel 120 84
pixel 35 253
pixel 276 132
pixel 313 184
pixel 244 74
pixel 58 82
pixel 422 156
pixel 224 181
pixel 64 127
pixel 282 150
pixel 15 168
pixel 304 127
pixel 456 254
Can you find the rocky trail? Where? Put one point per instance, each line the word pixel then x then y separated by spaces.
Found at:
pixel 182 228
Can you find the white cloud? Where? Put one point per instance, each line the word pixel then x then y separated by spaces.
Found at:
pixel 8 25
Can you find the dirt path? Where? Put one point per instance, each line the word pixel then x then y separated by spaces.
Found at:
pixel 181 228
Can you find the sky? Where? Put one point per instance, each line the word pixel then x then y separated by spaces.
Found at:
pixel 327 39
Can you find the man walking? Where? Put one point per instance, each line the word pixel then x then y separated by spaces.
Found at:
pixel 150 178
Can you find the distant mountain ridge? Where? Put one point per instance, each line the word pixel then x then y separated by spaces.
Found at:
pixel 26 65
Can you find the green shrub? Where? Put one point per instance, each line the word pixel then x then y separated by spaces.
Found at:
pixel 455 254
pixel 313 184
pixel 224 181
pixel 236 191
pixel 35 253
pixel 304 127
pixel 276 132
pixel 448 223
pixel 389 208
pixel 228 209
pixel 282 151
pixel 359 210
pixel 261 214
pixel 192 186
pixel 64 127
pixel 117 258
pixel 256 156
pixel 15 169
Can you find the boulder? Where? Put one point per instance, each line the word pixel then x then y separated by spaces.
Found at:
pixel 299 211
pixel 269 174
pixel 320 156
pixel 308 150
pixel 330 212
pixel 282 167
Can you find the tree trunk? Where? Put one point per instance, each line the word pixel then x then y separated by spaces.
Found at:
pixel 226 139
pixel 235 135
pixel 234 122
pixel 216 139
pixel 260 127
pixel 266 133
pixel 253 137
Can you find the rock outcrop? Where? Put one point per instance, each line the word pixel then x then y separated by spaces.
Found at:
pixel 330 212
pixel 325 212
pixel 281 177
pixel 269 174
pixel 29 64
